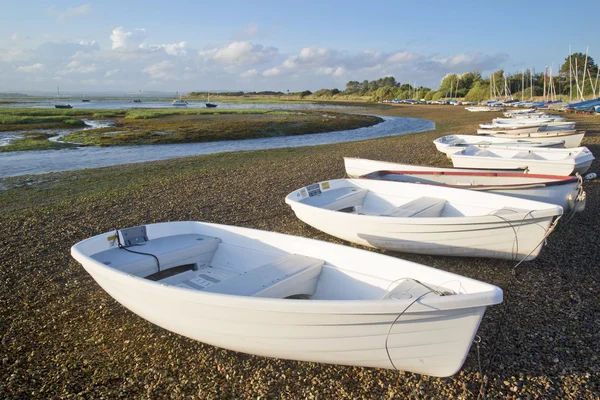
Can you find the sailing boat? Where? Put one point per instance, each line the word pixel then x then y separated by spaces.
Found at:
pixel 61 105
pixel 208 103
pixel 179 102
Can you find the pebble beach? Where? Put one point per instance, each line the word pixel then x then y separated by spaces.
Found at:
pixel 62 336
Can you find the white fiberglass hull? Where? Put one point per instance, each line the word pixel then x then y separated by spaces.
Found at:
pixel 356 167
pixel 432 337
pixel 559 190
pixel 454 143
pixel 535 160
pixel 571 138
pixel 451 234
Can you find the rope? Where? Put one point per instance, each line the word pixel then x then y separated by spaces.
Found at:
pixel 548 232
pixel 387 337
pixel 579 199
pixel 477 341
pixel 136 252
pixel 494 351
pixel 387 350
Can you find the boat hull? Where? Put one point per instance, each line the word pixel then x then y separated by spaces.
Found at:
pixel 514 237
pixel 557 190
pixel 579 161
pixel 431 337
pixel 356 167
pixel 571 140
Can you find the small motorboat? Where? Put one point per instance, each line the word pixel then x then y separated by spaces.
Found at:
pixel 564 191
pixel 276 295
pixel 451 144
pixel 356 167
pixel 425 219
pixel 535 160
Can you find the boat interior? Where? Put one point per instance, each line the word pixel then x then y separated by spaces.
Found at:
pixel 198 262
pixel 470 180
pixel 541 154
pixel 354 199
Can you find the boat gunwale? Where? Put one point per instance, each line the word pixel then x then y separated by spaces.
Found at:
pixel 554 180
pixel 486 294
pixel 540 213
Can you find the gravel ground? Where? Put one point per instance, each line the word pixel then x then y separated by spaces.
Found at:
pixel 64 337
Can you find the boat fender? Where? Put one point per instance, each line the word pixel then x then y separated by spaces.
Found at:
pixel 590 176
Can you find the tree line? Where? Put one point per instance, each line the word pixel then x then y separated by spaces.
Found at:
pixel 471 86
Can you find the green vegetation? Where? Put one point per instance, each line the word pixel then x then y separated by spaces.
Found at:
pixel 200 127
pixel 35 141
pixel 469 86
pixel 158 113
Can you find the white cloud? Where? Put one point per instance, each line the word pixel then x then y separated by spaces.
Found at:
pixel 176 49
pixel 78 67
pixel 111 72
pixel 30 69
pixel 251 73
pixel 13 55
pixel 272 72
pixel 164 70
pixel 403 57
pixel 310 56
pixel 63 15
pixel 241 53
pixel 122 40
pixel 15 37
pixel 131 43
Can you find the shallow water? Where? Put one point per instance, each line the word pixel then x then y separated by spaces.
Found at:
pixel 129 104
pixel 39 162
pixel 7 137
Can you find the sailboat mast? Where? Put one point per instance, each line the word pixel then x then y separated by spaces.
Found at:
pixel 570 77
pixel 531 84
pixel 522 84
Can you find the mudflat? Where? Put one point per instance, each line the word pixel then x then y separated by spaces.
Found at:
pixel 62 335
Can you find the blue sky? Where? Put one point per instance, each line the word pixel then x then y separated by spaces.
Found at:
pixel 278 45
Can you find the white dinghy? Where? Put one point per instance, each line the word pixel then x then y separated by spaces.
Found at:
pixel 356 167
pixel 425 219
pixel 289 297
pixel 525 127
pixel 571 138
pixel 535 160
pixel 564 191
pixel 451 144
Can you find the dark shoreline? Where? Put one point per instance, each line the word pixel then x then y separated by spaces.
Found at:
pixel 63 335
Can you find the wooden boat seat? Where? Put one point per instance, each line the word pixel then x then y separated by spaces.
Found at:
pixel 172 251
pixel 287 276
pixel 338 199
pixel 429 207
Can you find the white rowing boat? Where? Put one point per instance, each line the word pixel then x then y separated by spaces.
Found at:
pixel 525 128
pixel 451 144
pixel 425 219
pixel 356 167
pixel 284 296
pixel 564 191
pixel 570 138
pixel 535 160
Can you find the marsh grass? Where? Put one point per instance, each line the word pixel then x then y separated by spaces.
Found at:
pixel 158 113
pixel 194 128
pixel 35 141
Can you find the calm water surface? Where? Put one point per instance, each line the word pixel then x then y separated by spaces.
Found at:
pixel 39 162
